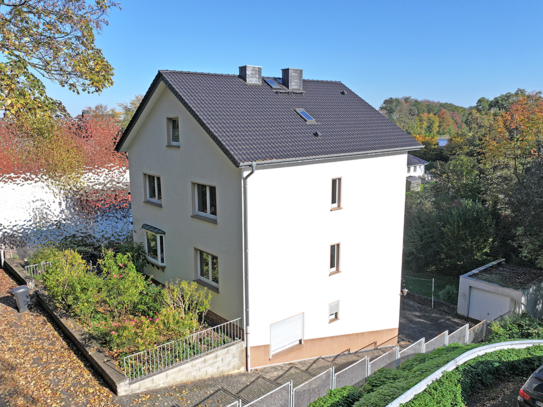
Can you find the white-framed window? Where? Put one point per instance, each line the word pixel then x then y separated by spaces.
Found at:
pixel 153 188
pixel 286 334
pixel 333 311
pixel 208 267
pixel 334 258
pixel 336 193
pixel 154 245
pixel 205 201
pixel 173 131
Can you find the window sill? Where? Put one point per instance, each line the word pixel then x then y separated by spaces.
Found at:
pixel 333 320
pixel 207 285
pixel 332 273
pixel 206 219
pixel 285 351
pixel 158 205
pixel 337 208
pixel 153 263
pixel 173 146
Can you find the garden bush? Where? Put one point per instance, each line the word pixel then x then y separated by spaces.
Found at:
pixel 341 397
pixel 120 306
pixel 455 387
pixel 449 294
pixel 521 326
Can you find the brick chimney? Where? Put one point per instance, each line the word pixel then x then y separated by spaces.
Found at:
pixel 251 74
pixel 293 78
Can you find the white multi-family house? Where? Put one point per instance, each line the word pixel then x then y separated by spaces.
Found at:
pixel 415 166
pixel 256 188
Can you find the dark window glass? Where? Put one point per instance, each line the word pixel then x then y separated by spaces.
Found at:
pixel 152 191
pixel 161 249
pixel 175 131
pixel 215 269
pixel 204 265
pixel 159 189
pixel 202 198
pixel 152 250
pixel 212 201
pixel 332 256
pixel 273 83
pixel 334 191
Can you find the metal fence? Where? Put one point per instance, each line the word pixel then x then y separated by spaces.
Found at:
pixel 386 360
pixel 235 404
pixel 437 342
pixel 411 351
pixel 477 333
pixel 37 269
pixel 353 375
pixel 314 388
pixel 280 397
pixel 169 354
pixel 461 335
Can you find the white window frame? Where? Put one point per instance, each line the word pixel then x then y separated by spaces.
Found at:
pixel 337 204
pixel 147 188
pixel 333 316
pixel 208 194
pixel 198 268
pixel 335 268
pixel 170 121
pixel 161 255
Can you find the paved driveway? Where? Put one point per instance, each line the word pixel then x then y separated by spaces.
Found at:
pixel 417 321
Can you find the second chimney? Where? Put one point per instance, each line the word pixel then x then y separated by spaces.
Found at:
pixel 293 78
pixel 251 74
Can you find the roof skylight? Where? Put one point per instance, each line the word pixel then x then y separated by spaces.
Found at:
pixel 273 83
pixel 306 116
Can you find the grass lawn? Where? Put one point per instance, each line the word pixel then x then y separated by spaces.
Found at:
pixel 421 283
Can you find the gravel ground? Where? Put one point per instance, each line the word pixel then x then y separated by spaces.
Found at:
pixel 417 321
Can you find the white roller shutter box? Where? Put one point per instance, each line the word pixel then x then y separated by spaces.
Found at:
pixel 287 333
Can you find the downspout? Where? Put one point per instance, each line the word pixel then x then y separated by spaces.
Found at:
pixel 246 266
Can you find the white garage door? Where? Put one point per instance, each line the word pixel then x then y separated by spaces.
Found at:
pixel 287 333
pixel 486 305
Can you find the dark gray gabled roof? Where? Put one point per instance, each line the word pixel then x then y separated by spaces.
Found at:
pixel 253 123
pixel 412 160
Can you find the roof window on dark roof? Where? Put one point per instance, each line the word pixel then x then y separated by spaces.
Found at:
pixel 273 83
pixel 306 116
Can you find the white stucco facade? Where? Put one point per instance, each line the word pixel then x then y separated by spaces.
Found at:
pixel 290 229
pixel 415 170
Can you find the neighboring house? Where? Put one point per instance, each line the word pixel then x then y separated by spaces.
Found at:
pixel 415 166
pixel 308 250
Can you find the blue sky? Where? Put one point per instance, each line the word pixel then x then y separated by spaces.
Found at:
pixel 439 50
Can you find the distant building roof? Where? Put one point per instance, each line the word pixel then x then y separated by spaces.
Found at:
pixel 255 122
pixel 412 160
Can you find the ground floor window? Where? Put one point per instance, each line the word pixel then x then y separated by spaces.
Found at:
pixel 154 244
pixel 208 267
pixel 286 334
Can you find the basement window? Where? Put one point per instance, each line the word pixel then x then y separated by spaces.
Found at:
pixel 306 116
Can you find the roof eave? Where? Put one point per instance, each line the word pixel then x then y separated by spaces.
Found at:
pixel 331 157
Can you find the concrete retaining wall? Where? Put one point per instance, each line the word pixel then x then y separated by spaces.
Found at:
pixel 226 360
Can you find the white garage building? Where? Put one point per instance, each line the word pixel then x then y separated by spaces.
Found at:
pixel 498 289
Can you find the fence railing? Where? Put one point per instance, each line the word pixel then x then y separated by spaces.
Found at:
pixel 169 354
pixel 37 269
pixel 357 373
pixel 279 397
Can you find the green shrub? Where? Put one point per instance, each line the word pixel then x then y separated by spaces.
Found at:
pixel 341 397
pixel 454 388
pixel 517 327
pixel 449 294
pixel 135 250
pixel 44 254
pixel 386 385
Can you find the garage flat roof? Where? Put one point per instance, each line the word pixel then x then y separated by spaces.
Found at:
pixel 508 275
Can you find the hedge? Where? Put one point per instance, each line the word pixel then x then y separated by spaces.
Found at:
pixel 454 388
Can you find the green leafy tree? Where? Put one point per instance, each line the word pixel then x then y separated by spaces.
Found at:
pixel 56 40
pixel 458 178
pixel 128 109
